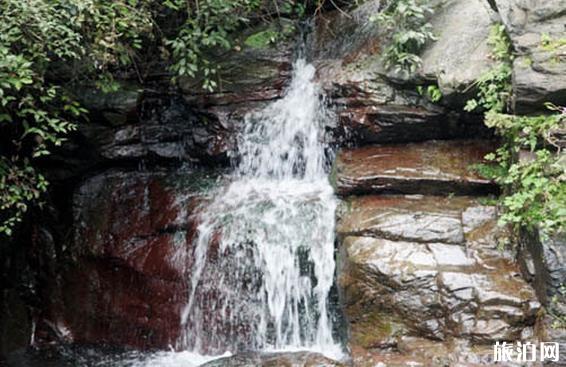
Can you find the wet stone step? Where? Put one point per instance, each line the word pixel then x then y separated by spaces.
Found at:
pixel 430 168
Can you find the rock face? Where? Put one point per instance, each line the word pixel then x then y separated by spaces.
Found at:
pixel 543 261
pixel 125 281
pixel 430 267
pixel 167 129
pixel 125 259
pixel 440 167
pixel 371 107
pixel 132 240
pixel 536 29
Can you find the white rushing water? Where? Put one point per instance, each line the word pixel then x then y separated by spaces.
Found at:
pixel 263 262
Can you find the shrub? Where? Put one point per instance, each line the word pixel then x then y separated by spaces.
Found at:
pixel 46 45
pixel 535 184
pixel 406 23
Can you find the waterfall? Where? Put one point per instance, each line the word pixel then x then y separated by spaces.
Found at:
pixel 263 261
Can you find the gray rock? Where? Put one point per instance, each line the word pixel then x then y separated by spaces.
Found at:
pixel 168 130
pixel 114 108
pixel 475 216
pixel 543 261
pixel 460 55
pixel 373 216
pixel 245 74
pixel 538 71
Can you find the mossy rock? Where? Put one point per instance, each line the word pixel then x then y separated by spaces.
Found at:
pixel 376 329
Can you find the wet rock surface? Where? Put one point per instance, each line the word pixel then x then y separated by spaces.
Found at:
pixel 371 106
pixel 250 75
pixel 127 284
pixel 421 352
pixel 414 267
pixel 168 129
pixel 421 277
pixel 120 273
pixel 436 167
pixel 375 124
pixel 290 359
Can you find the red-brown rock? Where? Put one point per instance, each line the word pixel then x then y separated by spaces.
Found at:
pixel 133 235
pixel 433 167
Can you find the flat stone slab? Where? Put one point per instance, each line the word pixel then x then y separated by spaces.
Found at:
pixel 409 218
pixel 431 168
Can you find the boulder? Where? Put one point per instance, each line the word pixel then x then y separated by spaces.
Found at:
pixel 460 55
pixel 362 123
pixel 536 29
pixel 246 73
pixel 168 130
pixel 421 352
pixel 113 108
pixel 434 167
pixel 359 36
pixel 160 129
pixel 543 260
pixel 414 266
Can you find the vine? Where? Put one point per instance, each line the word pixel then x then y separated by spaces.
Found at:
pixel 495 87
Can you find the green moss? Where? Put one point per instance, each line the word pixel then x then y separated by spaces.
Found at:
pixel 553 46
pixel 376 328
pixel 262 39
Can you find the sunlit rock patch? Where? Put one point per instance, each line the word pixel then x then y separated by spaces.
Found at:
pixel 414 267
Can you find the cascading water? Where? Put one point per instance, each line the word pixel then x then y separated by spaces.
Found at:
pixel 262 265
pixel 263 262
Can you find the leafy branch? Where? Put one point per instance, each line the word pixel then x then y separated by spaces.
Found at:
pixel 495 87
pixel 406 22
